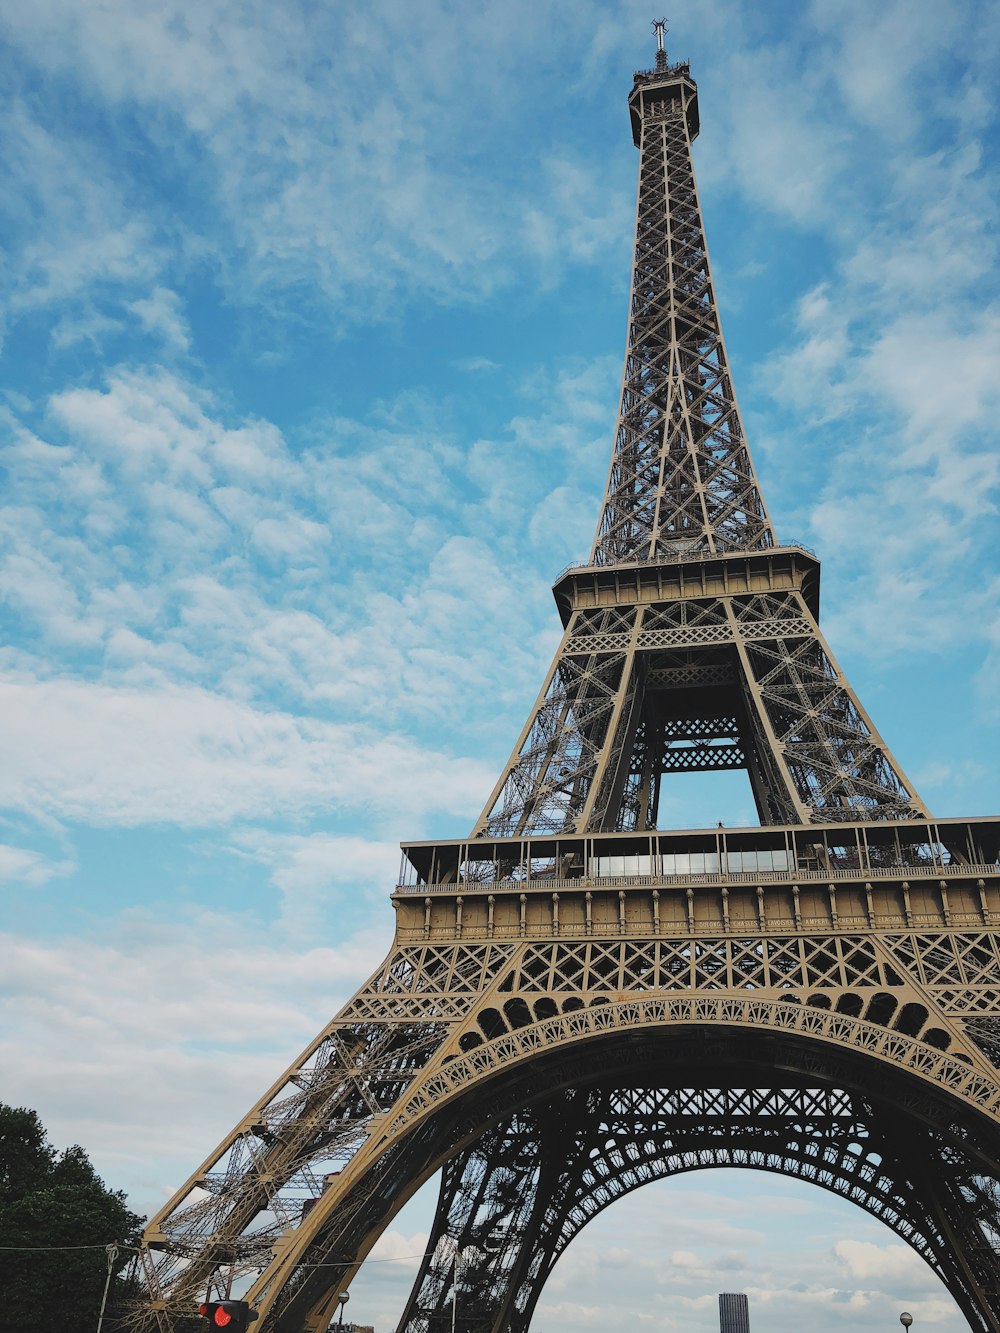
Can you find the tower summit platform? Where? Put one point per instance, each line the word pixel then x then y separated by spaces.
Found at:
pixel 667 83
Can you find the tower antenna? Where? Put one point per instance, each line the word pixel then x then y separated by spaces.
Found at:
pixel 660 27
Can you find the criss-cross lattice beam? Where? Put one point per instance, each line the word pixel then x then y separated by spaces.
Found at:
pixel 486 1201
pixel 314 1171
pixel 266 1176
pixel 682 487
pixel 565 766
pixel 617 712
pixel 840 767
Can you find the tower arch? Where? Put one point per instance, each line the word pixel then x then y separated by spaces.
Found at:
pixel 535 1147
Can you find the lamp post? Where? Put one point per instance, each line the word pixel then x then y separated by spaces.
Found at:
pixel 906 1319
pixel 343 1298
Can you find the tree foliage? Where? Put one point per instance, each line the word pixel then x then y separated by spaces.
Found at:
pixel 47 1200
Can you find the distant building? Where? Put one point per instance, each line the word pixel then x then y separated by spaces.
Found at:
pixel 734 1313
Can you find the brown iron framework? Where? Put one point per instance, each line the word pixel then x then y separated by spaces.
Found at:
pixel 577 1002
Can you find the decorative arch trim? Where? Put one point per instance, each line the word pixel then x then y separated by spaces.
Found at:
pixel 461 1072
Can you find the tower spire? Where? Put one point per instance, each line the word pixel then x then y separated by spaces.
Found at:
pixel 681 477
pixel 660 27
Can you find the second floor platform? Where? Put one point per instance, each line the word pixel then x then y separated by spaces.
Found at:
pixel 691 857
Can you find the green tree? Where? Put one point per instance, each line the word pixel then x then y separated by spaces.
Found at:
pixel 48 1200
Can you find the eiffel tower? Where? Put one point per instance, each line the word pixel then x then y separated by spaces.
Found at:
pixel 578 1001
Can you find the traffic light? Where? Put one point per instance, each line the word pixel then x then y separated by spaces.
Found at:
pixel 233 1316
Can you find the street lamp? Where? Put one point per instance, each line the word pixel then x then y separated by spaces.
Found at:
pixel 343 1298
pixel 906 1319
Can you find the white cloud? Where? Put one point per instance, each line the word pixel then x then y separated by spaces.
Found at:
pixel 890 96
pixel 403 1252
pixel 161 313
pixel 307 863
pixel 74 226
pixel 892 370
pixel 347 177
pixel 173 543
pixel 89 327
pixel 18 865
pixel 807 378
pixel 183 755
pixel 864 1260
pixel 475 365
pixel 779 146
pixel 314 871
pixel 182 1024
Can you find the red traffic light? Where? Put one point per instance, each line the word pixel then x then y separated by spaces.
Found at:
pixel 234 1315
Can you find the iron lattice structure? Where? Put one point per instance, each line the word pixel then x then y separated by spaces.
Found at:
pixel 576 1003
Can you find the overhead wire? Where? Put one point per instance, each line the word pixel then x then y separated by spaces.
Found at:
pixel 57 1249
pixel 24 1249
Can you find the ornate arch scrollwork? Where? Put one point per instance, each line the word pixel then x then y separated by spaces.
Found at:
pixel 456 1073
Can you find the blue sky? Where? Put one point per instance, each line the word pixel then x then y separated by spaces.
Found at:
pixel 312 335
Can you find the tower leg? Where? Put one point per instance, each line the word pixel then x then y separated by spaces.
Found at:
pixel 483 1225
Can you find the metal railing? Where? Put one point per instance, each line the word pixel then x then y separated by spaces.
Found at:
pixel 854 873
pixel 687 557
